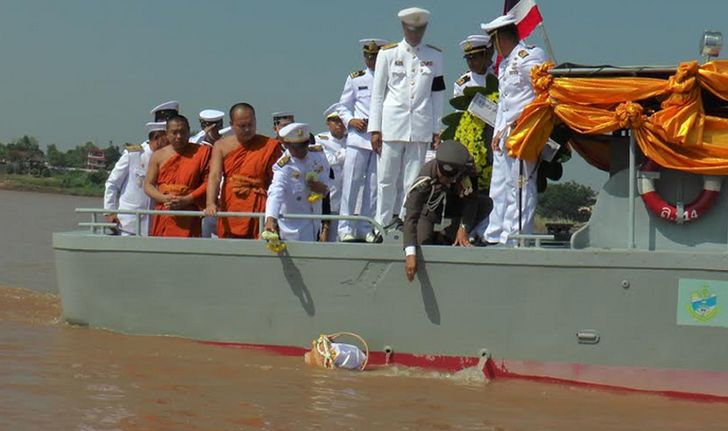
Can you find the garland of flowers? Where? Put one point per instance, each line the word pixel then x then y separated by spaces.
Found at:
pixel 471 133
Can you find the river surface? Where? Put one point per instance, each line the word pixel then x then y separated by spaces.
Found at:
pixel 58 377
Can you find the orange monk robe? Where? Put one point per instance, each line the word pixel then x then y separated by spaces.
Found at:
pixel 248 171
pixel 182 174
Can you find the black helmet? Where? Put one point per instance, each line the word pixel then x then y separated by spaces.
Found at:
pixel 452 158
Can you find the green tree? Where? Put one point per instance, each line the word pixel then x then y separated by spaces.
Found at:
pixel 76 157
pixel 112 154
pixel 3 151
pixel 563 200
pixel 55 157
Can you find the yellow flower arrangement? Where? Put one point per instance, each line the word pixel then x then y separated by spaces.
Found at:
pixel 470 133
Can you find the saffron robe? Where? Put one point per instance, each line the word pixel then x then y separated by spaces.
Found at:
pixel 248 172
pixel 180 175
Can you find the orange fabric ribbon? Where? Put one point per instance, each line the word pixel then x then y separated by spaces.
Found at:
pixel 678 136
pixel 243 185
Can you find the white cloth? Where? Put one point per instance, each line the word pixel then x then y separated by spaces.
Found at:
pixel 354 103
pixel 288 194
pixel 398 168
pixel 468 79
pixel 359 190
pixel 335 152
pixel 125 188
pixel 348 356
pixel 403 105
pixel 514 79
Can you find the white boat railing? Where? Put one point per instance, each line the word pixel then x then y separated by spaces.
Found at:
pixel 96 213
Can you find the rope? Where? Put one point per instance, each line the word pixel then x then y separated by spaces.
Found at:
pixel 323 346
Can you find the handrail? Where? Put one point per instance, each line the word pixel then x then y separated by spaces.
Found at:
pixel 261 216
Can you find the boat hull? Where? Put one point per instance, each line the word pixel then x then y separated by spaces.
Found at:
pixel 523 308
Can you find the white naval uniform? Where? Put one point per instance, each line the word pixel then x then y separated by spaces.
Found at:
pixel 288 194
pixel 125 187
pixel 335 152
pixel 199 139
pixel 516 92
pixel 360 164
pixel 407 111
pixel 468 79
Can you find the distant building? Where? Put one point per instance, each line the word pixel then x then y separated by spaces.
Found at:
pixel 95 159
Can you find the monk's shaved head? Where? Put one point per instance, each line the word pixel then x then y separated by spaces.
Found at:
pixel 242 120
pixel 242 106
pixel 178 119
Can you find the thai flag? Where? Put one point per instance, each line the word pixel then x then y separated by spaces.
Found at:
pixel 526 14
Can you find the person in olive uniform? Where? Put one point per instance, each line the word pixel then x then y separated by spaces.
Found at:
pixel 448 179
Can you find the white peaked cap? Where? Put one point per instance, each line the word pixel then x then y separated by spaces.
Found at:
pixel 414 16
pixel 172 104
pixel 497 23
pixel 153 126
pixel 475 42
pixel 332 111
pixel 211 115
pixel 295 133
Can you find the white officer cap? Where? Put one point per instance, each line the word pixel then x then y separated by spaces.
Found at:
pixel 211 115
pixel 172 105
pixel 497 23
pixel 331 111
pixel 295 133
pixel 475 43
pixel 372 45
pixel 414 16
pixel 156 126
pixel 282 114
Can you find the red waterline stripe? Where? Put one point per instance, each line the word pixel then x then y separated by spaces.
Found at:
pixel 502 370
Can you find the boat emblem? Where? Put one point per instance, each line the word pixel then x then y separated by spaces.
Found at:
pixel 703 304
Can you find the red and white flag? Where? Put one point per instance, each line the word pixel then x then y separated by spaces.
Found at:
pixel 526 14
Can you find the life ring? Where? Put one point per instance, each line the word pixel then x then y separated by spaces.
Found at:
pixel 690 212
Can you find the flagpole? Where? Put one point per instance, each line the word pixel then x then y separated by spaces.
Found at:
pixel 547 41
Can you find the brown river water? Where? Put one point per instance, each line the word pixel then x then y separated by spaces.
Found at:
pixel 58 377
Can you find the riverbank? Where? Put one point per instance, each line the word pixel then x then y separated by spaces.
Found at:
pixel 73 184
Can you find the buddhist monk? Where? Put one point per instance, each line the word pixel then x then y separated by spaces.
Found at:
pixel 177 180
pixel 245 161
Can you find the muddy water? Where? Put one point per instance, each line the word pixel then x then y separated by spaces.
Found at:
pixel 57 377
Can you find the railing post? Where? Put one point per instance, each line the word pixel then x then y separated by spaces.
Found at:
pixel 632 178
pixel 93 223
pixel 138 221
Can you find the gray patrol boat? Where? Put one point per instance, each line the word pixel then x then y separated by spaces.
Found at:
pixel 630 300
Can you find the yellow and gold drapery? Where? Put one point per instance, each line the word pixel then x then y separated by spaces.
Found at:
pixel 678 136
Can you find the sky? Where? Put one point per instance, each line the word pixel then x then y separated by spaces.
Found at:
pixel 90 70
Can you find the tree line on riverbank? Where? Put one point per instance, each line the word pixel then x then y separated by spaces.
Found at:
pixel 25 166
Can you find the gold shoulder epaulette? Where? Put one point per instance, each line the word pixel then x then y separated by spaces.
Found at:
pixel 389 46
pixel 434 47
pixel 284 160
pixel 358 73
pixel 316 148
pixel 523 53
pixel 322 136
pixel 463 79
pixel 133 148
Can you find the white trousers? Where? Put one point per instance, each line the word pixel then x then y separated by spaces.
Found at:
pixel 504 218
pixel 398 167
pixel 358 190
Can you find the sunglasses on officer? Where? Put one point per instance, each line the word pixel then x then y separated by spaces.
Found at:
pixel 206 124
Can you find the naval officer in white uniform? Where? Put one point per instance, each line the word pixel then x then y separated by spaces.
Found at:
pixel 405 111
pixel 300 180
pixel 360 165
pixel 125 185
pixel 211 124
pixel 333 142
pixel 478 53
pixel 516 91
